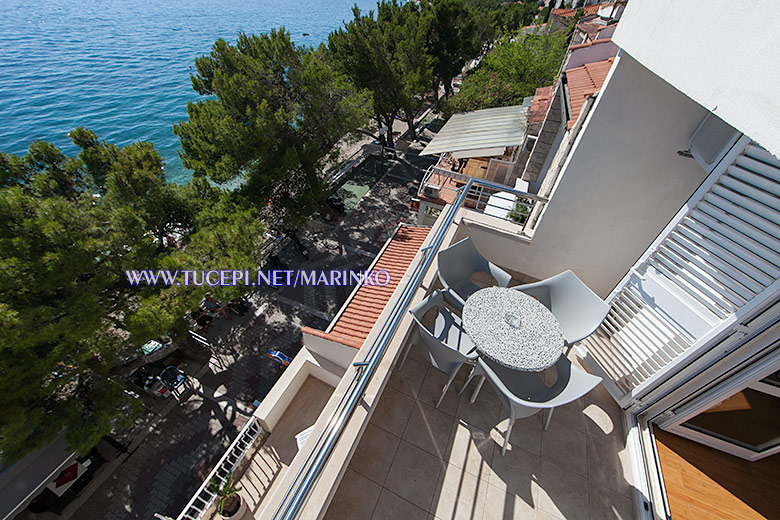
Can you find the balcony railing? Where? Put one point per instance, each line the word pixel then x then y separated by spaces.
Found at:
pixel 296 496
pixel 486 197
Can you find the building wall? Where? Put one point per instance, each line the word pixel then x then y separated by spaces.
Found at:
pixel 722 54
pixel 622 181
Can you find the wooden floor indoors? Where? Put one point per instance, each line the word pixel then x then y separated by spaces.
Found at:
pixel 702 482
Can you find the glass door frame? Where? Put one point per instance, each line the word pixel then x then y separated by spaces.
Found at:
pixel 674 419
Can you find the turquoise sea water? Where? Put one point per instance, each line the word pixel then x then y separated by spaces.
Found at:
pixel 121 67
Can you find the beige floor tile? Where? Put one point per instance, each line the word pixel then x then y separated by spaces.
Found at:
pixel 515 472
pixel 500 505
pixel 430 391
pixel 604 421
pixel 570 415
pixel 392 507
pixel 601 395
pixel 374 454
pixel 566 447
pixel 526 433
pixel 409 379
pixel 484 412
pixel 470 449
pixel 414 475
pixel 354 499
pixel 608 466
pixel 562 492
pixel 608 505
pixel 393 410
pixel 429 429
pixel 459 496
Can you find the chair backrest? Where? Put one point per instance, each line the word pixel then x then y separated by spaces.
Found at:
pixel 459 262
pixel 527 389
pixel 438 353
pixel 578 309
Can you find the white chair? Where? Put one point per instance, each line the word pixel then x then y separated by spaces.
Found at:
pixel 444 344
pixel 524 394
pixel 578 309
pixel 458 263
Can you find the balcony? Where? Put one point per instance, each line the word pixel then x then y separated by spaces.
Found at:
pixel 379 449
pixel 415 461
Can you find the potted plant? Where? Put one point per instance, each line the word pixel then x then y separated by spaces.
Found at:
pixel 229 502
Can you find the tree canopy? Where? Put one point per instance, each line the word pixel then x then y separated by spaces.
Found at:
pixel 516 66
pixel 274 114
pixel 386 55
pixel 453 39
pixel 68 319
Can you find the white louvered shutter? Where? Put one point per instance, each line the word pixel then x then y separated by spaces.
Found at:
pixel 719 256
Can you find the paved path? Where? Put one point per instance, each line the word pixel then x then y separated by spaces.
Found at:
pixel 183 446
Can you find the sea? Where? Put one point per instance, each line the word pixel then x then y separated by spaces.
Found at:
pixel 122 67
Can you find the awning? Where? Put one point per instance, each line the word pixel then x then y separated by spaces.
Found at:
pixel 23 480
pixel 480 133
pixel 480 152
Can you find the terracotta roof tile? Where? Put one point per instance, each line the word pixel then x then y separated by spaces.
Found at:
pixel 540 104
pixel 568 13
pixel 361 313
pixel 584 82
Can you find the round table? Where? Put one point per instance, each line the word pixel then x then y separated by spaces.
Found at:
pixel 513 329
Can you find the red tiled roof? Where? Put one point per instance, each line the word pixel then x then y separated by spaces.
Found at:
pixel 568 13
pixel 589 44
pixel 541 103
pixel 584 82
pixel 361 313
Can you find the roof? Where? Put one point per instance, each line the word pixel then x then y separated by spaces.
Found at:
pixel 590 52
pixel 568 13
pixel 477 131
pixel 27 476
pixel 591 26
pixel 584 82
pixel 542 100
pixel 352 325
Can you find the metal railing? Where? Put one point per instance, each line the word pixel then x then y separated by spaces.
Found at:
pixel 292 504
pixel 204 496
pixel 491 198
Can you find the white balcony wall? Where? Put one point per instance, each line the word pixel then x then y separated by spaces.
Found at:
pixel 723 54
pixel 622 182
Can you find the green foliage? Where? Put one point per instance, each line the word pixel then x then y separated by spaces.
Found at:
pixel 67 316
pixel 519 213
pixel 496 16
pixel 453 38
pixel 273 117
pixel 514 69
pixel 223 491
pixel 386 55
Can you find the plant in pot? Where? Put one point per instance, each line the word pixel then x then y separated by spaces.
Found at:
pixel 229 503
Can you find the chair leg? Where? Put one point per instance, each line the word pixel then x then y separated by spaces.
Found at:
pixel 547 421
pixel 406 353
pixel 444 390
pixel 506 437
pixel 468 380
pixel 477 389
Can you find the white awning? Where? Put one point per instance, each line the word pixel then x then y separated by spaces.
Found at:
pixel 480 152
pixel 475 134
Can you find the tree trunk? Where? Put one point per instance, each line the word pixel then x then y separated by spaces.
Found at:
pixel 389 134
pixel 412 132
pixel 327 211
pixel 448 88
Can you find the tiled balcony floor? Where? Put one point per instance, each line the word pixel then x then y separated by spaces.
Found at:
pixel 417 462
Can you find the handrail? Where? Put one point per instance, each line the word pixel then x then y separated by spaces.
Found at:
pixel 220 466
pixel 292 502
